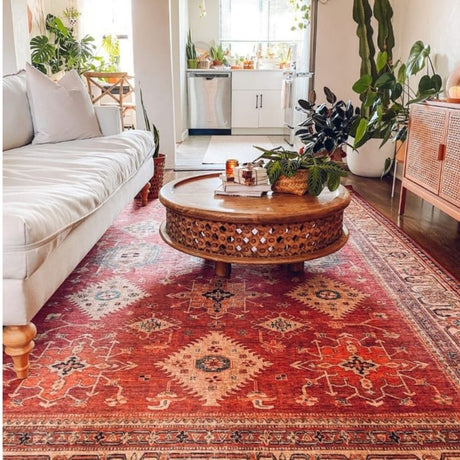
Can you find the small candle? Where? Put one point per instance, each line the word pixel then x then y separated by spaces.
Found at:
pixel 229 167
pixel 454 92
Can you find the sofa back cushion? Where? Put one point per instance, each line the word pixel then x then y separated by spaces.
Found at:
pixel 17 120
pixel 60 111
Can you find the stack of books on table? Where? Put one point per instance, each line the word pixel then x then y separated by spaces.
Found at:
pixel 231 188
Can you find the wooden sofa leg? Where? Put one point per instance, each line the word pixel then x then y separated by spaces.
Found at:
pixel 145 194
pixel 18 341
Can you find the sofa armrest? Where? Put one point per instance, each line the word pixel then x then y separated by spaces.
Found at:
pixel 109 118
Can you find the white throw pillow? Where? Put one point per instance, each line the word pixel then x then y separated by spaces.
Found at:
pixel 17 119
pixel 60 111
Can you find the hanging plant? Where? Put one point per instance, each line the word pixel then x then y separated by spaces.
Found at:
pixel 301 10
pixel 72 15
pixel 202 7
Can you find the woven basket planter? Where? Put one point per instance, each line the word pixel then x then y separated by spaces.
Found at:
pixel 296 184
pixel 156 182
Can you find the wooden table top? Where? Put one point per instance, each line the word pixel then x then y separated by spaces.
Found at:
pixel 194 196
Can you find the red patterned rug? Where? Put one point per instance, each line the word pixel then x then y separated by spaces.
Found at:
pixel 144 354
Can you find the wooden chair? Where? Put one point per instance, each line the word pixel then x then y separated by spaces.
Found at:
pixel 109 88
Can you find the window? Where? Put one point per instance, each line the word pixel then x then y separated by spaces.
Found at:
pixel 261 28
pixel 109 17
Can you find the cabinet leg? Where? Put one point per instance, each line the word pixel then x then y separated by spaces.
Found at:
pixel 223 268
pixel 18 341
pixel 402 200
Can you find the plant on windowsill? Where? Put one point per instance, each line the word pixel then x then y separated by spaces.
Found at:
pixel 218 55
pixel 190 51
pixel 301 172
pixel 156 182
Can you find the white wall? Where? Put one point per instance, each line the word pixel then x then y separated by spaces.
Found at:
pixel 205 29
pixel 435 23
pixel 337 58
pixel 15 36
pixel 179 16
pixel 153 69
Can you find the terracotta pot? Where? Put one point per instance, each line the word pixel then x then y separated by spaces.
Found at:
pixel 156 182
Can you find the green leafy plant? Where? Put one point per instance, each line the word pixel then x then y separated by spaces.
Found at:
pixel 388 99
pixel 301 9
pixel 383 85
pixel 150 126
pixel 218 54
pixel 111 47
pixel 60 50
pixel 326 127
pixel 322 171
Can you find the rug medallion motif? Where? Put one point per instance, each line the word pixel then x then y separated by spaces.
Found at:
pixel 143 353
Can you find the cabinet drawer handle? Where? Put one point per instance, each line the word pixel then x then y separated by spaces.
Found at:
pixel 261 101
pixel 257 101
pixel 441 152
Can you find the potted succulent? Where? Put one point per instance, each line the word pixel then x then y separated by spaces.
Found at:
pixel 190 51
pixel 301 172
pixel 326 128
pixel 218 55
pixel 156 182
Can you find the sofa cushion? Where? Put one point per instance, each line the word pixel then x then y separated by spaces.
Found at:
pixel 17 120
pixel 60 111
pixel 48 189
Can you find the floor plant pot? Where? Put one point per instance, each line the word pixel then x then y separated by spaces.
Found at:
pixel 156 182
pixel 369 159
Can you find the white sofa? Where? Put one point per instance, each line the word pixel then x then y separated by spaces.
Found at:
pixel 58 200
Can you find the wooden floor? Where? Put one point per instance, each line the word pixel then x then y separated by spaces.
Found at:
pixel 433 230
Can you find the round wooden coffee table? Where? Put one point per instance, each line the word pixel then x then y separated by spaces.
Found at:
pixel 273 229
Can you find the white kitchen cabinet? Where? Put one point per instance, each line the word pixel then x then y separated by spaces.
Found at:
pixel 256 102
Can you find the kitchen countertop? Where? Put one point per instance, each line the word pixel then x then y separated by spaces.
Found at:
pixel 236 70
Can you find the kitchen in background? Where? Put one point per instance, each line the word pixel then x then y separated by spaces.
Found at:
pixel 248 64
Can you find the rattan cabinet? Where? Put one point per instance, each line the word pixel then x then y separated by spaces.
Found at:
pixel 432 164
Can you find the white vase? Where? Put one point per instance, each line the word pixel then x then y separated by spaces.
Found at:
pixel 369 160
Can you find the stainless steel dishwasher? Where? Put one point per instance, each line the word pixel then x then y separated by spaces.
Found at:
pixel 209 102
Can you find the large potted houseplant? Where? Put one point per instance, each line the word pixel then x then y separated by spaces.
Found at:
pixel 156 182
pixel 59 50
pixel 326 128
pixel 391 118
pixel 384 89
pixel 368 157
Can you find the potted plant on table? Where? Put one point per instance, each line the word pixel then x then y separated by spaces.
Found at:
pixel 301 172
pixel 156 182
